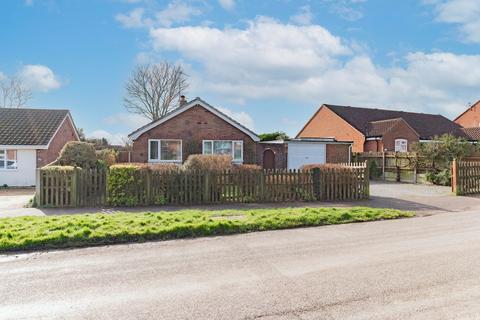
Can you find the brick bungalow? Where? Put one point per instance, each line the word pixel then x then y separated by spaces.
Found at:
pixel 30 139
pixel 196 127
pixel 377 129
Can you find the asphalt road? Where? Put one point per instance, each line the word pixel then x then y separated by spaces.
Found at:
pixel 419 268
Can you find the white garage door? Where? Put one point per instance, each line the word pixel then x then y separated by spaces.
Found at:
pixel 301 153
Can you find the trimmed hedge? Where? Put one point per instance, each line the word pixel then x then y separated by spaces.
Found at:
pixel 122 183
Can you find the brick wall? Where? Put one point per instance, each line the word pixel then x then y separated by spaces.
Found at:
pixel 327 124
pixel 373 146
pixel 193 126
pixel 280 151
pixel 65 134
pixel 338 153
pixel 471 118
pixel 400 131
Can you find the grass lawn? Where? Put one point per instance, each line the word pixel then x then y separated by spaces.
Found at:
pixel 31 233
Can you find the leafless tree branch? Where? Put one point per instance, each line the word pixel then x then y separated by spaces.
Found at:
pixel 13 93
pixel 154 89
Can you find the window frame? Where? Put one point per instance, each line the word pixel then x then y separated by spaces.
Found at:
pixel 233 148
pixel 400 141
pixel 159 160
pixel 5 160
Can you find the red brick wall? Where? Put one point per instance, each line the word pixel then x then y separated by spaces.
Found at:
pixel 193 126
pixel 400 131
pixel 338 153
pixel 373 146
pixel 471 118
pixel 327 124
pixel 280 151
pixel 65 134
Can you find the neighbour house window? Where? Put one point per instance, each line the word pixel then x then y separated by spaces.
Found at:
pixel 401 145
pixel 8 159
pixel 229 147
pixel 164 150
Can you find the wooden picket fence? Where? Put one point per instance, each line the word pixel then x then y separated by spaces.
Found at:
pixel 71 188
pixel 466 177
pixel 83 188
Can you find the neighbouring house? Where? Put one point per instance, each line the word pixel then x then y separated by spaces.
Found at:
pixel 470 118
pixel 196 127
pixel 30 139
pixel 377 130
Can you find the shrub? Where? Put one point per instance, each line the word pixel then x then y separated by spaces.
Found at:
pixel 205 162
pixel 58 168
pixel 321 166
pixel 278 135
pixel 108 156
pixel 374 170
pixel 123 184
pixel 78 154
pixel 442 177
pixel 246 167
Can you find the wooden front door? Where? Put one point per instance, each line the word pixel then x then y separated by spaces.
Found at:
pixel 268 159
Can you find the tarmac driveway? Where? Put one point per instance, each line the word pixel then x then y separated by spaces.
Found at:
pixel 13 198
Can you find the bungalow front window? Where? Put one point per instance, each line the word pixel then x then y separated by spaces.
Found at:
pixel 164 150
pixel 401 145
pixel 228 147
pixel 8 159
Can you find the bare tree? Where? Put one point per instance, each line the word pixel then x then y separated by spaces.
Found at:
pixel 13 93
pixel 155 89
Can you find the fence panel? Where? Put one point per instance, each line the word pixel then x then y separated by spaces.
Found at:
pixel 466 177
pixel 85 188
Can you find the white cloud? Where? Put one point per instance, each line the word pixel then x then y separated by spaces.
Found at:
pixel 241 117
pixel 303 17
pixel 39 77
pixel 309 65
pixel 129 120
pixel 464 13
pixel 346 9
pixel 176 12
pixel 134 19
pixel 28 3
pixel 227 4
pixel 112 138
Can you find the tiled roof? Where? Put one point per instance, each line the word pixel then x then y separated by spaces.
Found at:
pixel 379 128
pixel 194 102
pixel 472 133
pixel 426 125
pixel 29 126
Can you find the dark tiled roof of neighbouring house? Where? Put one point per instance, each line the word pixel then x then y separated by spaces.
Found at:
pixel 29 126
pixel 472 133
pixel 426 125
pixel 379 128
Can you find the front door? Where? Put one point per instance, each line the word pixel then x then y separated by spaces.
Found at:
pixel 268 159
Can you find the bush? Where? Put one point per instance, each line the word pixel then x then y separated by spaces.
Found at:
pixel 58 168
pixel 246 167
pixel 123 184
pixel 78 154
pixel 321 166
pixel 374 170
pixel 205 162
pixel 441 178
pixel 278 135
pixel 108 156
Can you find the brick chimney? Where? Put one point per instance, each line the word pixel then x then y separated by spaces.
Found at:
pixel 182 101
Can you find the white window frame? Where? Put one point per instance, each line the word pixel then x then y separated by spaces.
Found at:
pixel 233 148
pixel 400 143
pixel 3 167
pixel 159 160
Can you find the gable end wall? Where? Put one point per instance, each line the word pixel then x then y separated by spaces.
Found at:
pixel 192 126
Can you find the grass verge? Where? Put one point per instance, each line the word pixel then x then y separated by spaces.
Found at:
pixel 34 233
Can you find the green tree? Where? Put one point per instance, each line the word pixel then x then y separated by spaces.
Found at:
pixel 278 135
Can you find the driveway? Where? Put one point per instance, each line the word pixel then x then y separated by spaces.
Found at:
pixel 419 268
pixel 423 199
pixel 15 198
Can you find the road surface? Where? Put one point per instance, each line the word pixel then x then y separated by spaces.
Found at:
pixel 419 268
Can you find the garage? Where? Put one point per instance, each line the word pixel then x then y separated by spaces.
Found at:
pixel 305 152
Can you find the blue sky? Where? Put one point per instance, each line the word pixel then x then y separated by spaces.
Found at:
pixel 269 64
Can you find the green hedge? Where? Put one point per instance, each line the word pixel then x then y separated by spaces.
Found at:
pixel 123 183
